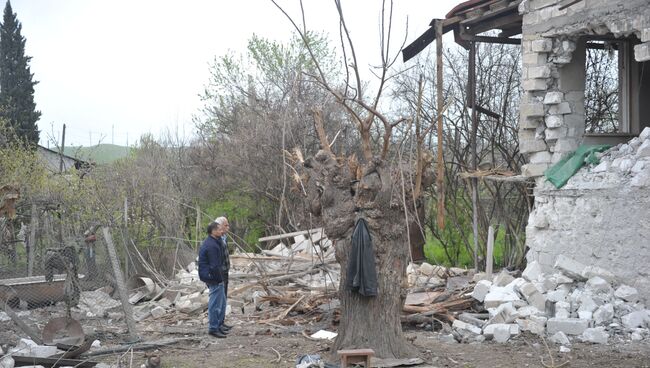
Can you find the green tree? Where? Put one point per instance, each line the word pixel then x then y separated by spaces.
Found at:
pixel 17 104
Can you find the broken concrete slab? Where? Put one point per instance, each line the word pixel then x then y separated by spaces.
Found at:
pixel 604 314
pixel 481 289
pixel 627 293
pixel 533 296
pixel 560 338
pixel 498 296
pixel 635 319
pixel 27 347
pixel 570 326
pixel 502 279
pixel 460 325
pixel 596 335
pixel 598 284
pixel 532 272
pixel 570 267
pixel 504 313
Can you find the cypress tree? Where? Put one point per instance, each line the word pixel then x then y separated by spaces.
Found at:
pixel 17 106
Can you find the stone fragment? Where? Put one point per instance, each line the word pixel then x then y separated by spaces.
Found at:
pixel 570 326
pixel 598 284
pixel 503 279
pixel 543 45
pixel 592 271
pixel 635 319
pixel 585 315
pixel 481 289
pixel 561 279
pixel 27 347
pixel 560 338
pixel 502 333
pixel 539 71
pixel 460 325
pixel 504 313
pixel 553 98
pixel 645 134
pixel 638 167
pixel 635 336
pixel 627 293
pixel 601 167
pixel 529 310
pixel 533 296
pixel 558 295
pixel 644 149
pixel 570 267
pixel 498 296
pixel 158 312
pixel 564 349
pixel 587 303
pixel 532 272
pixel 604 314
pixel 596 335
pixel 426 269
pixel 534 324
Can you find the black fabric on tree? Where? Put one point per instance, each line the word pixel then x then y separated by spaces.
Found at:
pixel 362 275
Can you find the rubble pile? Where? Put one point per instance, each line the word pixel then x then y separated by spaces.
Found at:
pixel 575 302
pixel 631 159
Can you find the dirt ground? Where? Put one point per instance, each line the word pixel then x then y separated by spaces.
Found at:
pixel 254 347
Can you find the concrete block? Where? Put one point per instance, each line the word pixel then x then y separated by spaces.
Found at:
pixel 553 134
pixel 531 109
pixel 481 289
pixel 543 45
pixel 532 272
pixel 585 315
pixel 635 319
pixel 604 314
pixel 561 279
pixel 557 295
pixel 543 157
pixel 534 324
pixel 460 325
pixel 533 296
pixel 596 335
pixel 645 134
pixel 627 293
pixel 598 284
pixel 553 98
pixel 641 52
pixel 593 271
pixel 562 313
pixel 158 312
pixel 570 326
pixel 530 122
pixel 534 85
pixel 498 296
pixel 570 267
pixel 533 58
pixel 554 121
pixel 644 149
pixel 587 303
pixel 645 35
pixel 503 279
pixel 560 109
pixel 27 347
pixel 502 333
pixel 529 310
pixel 426 269
pixel 534 170
pixel 539 72
pixel 560 338
pixel 504 313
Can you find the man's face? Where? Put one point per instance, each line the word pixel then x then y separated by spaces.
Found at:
pixel 218 231
pixel 225 226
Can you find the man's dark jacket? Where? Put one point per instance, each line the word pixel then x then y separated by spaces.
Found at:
pixel 362 275
pixel 211 261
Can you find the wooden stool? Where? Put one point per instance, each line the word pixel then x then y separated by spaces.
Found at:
pixel 349 357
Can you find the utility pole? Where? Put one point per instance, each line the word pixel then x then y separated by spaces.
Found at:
pixel 90 138
pixel 61 150
pixel 112 134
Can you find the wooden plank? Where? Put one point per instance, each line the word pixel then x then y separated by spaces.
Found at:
pixel 52 362
pixel 289 235
pixel 32 240
pixel 490 252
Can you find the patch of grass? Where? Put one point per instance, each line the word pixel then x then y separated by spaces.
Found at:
pixel 435 253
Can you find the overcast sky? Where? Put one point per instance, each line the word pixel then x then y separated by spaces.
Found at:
pixel 138 66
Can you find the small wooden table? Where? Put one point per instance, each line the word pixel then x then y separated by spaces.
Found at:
pixel 354 356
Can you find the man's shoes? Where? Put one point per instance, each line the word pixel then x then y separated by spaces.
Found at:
pixel 225 326
pixel 217 334
pixel 223 331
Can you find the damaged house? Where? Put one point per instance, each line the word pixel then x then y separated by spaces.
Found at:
pixel 600 218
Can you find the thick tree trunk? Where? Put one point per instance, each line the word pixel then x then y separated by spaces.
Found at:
pixel 341 192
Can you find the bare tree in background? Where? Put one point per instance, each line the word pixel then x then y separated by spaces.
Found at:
pixel 342 188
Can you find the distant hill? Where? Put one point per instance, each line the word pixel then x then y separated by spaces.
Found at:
pixel 100 154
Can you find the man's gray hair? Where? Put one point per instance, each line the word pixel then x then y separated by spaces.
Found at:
pixel 220 220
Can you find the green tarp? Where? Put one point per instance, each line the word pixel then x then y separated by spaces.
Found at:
pixel 561 172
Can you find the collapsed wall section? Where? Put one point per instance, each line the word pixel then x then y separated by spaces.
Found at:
pixel 601 217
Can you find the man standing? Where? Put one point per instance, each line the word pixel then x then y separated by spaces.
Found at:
pixel 223 222
pixel 211 264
